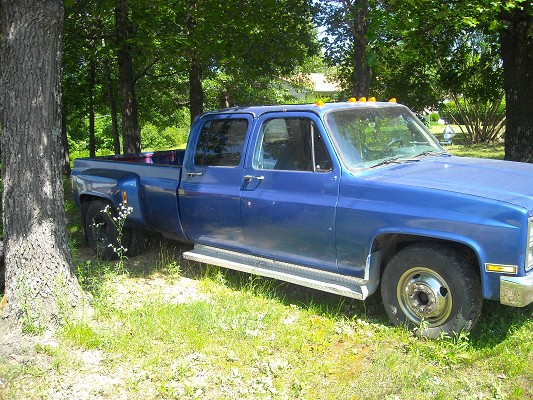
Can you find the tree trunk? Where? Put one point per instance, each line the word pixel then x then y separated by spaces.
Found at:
pixel 92 84
pixel 131 133
pixel 357 18
pixel 112 106
pixel 223 99
pixel 517 55
pixel 65 154
pixel 40 283
pixel 196 92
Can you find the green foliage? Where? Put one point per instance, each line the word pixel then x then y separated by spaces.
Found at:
pixel 449 112
pixel 170 137
pixel 242 60
pixel 241 49
pixel 224 90
pixel 78 140
pixel 434 117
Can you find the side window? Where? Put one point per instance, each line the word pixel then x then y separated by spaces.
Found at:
pixel 221 143
pixel 291 144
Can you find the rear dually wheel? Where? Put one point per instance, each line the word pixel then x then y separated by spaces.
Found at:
pixel 102 233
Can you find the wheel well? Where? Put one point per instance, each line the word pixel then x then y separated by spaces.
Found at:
pixel 86 199
pixel 390 244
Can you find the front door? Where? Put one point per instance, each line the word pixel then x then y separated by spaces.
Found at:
pixel 290 192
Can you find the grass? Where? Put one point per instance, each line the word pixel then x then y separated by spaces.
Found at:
pixel 238 336
pixel 479 150
pixel 167 329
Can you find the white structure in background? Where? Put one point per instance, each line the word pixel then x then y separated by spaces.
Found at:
pixel 320 87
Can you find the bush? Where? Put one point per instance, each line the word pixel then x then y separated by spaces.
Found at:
pixel 170 137
pixel 483 120
pixel 450 113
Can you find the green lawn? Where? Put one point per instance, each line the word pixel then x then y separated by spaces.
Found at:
pixel 459 148
pixel 169 331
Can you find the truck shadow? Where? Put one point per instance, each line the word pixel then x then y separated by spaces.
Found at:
pixel 497 322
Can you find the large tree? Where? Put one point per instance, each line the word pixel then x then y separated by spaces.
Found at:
pixel 252 41
pixel 345 41
pixel 40 283
pixel 516 44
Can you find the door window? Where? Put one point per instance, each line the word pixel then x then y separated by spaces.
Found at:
pixel 221 143
pixel 291 144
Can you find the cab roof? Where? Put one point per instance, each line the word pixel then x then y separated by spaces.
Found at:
pixel 316 108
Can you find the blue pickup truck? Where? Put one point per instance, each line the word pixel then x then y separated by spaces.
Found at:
pixel 349 198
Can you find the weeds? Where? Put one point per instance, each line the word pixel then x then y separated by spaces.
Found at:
pixel 123 211
pixel 30 320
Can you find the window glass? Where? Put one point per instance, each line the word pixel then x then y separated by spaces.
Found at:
pixel 221 142
pixel 291 144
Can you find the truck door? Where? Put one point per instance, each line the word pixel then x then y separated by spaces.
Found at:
pixel 290 191
pixel 210 190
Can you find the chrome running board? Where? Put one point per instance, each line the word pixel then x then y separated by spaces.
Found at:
pixel 310 277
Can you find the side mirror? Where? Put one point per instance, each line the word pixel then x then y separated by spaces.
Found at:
pixel 448 134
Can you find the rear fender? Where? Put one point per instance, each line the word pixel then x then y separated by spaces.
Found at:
pixel 114 186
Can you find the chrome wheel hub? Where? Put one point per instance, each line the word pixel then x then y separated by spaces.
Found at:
pixel 423 295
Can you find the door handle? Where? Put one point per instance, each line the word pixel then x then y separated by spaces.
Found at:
pixel 251 177
pixel 191 174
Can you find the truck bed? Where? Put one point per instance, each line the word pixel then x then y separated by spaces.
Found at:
pixel 149 180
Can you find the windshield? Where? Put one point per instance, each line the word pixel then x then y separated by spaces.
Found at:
pixel 371 136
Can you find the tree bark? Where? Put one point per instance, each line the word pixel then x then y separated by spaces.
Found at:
pixel 112 105
pixel 517 56
pixel 356 13
pixel 65 154
pixel 196 92
pixel 131 133
pixel 40 283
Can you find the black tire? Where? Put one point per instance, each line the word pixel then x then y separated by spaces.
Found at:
pixel 431 287
pixel 101 232
pixel 138 239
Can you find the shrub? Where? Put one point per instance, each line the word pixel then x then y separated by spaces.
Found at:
pixel 483 120
pixel 450 113
pixel 170 137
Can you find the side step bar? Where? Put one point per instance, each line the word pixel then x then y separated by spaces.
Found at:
pixel 316 279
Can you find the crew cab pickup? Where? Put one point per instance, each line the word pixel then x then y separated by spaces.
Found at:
pixel 342 197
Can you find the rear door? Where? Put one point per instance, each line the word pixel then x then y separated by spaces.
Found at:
pixel 212 180
pixel 290 191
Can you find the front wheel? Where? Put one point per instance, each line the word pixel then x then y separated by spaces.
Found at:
pixel 431 286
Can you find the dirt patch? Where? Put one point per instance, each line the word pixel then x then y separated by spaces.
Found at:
pixel 91 374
